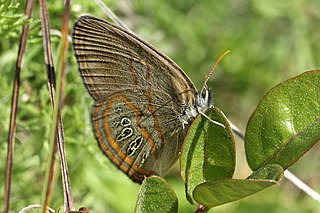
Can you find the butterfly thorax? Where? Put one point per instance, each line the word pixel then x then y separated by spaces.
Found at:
pixel 202 102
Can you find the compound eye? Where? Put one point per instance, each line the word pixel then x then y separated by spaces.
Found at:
pixel 204 93
pixel 204 99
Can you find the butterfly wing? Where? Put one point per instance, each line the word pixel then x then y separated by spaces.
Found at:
pixel 139 94
pixel 111 59
pixel 137 141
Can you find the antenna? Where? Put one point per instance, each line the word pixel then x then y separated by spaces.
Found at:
pixel 214 66
pixel 204 87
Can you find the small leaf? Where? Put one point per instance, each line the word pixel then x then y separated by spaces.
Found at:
pixel 156 195
pixel 215 193
pixel 268 172
pixel 286 123
pixel 208 152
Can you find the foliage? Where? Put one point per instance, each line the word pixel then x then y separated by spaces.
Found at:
pixel 156 195
pixel 11 19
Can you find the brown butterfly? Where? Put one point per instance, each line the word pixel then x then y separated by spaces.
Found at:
pixel 144 102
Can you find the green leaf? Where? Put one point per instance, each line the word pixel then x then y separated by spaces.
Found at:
pixel 215 193
pixel 208 152
pixel 156 195
pixel 268 172
pixel 286 123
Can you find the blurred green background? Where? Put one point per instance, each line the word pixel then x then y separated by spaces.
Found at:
pixel 270 41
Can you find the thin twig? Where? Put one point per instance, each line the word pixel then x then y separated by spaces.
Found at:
pixel 55 32
pixel 47 188
pixel 61 79
pixel 14 105
pixel 35 206
pixel 236 130
pixel 301 185
pixel 113 16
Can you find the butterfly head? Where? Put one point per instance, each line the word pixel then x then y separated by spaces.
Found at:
pixel 204 99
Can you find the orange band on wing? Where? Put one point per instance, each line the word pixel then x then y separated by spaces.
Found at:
pixel 113 143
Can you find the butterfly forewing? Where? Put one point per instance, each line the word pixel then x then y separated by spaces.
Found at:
pixel 112 59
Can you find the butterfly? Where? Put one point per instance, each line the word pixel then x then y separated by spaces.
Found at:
pixel 143 101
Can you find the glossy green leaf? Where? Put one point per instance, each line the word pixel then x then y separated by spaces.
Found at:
pixel 208 152
pixel 215 193
pixel 156 195
pixel 286 123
